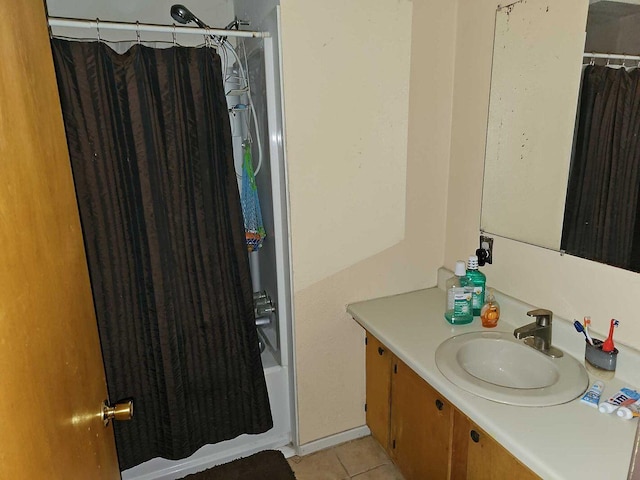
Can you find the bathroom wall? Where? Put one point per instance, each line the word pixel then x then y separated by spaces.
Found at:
pixel 570 286
pixel 368 92
pixel 347 86
pixel 215 12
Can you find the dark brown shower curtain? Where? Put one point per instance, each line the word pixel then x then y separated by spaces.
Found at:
pixel 601 212
pixel 150 145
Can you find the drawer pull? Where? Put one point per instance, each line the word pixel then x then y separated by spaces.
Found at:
pixel 439 404
pixel 475 436
pixel 380 351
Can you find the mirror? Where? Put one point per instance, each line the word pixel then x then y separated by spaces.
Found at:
pixel 537 58
pixel 535 83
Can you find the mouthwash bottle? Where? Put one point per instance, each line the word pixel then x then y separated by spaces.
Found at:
pixel 459 292
pixel 479 282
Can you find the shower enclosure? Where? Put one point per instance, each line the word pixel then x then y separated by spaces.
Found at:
pixel 270 264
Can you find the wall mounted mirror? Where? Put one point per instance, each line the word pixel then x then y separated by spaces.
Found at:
pixel 538 65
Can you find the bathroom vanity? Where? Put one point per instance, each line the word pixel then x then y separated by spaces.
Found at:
pixel 448 444
pixel 435 429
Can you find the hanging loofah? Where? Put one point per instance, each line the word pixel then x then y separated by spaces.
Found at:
pixel 253 226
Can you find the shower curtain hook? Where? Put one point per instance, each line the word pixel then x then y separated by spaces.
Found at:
pixel 138 31
pixel 175 42
pixel 98 29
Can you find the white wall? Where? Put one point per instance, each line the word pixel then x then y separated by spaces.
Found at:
pixel 346 86
pixel 217 13
pixel 214 12
pixel 368 90
pixel 570 286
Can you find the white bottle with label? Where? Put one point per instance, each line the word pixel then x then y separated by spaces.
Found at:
pixel 458 310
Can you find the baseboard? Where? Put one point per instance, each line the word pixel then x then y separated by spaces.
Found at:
pixel 288 451
pixel 333 440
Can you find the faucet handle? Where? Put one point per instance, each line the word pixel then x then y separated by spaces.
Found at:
pixel 543 316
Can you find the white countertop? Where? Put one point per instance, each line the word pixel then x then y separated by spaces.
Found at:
pixel 563 442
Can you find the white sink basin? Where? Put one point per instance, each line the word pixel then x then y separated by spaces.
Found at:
pixel 496 366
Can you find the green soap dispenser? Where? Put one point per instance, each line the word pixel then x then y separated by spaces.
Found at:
pixel 479 281
pixel 458 310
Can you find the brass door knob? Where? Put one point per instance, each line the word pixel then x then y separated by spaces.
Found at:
pixel 120 411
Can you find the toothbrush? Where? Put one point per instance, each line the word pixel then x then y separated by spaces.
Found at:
pixel 587 323
pixel 581 329
pixel 608 346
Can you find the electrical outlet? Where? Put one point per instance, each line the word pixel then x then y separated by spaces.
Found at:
pixel 486 247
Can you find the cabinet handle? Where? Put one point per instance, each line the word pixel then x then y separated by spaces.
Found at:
pixel 439 404
pixel 475 436
pixel 380 351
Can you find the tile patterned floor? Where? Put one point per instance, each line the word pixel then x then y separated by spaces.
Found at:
pixel 362 459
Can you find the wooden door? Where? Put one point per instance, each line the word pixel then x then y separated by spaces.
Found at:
pixel 52 379
pixel 378 389
pixel 421 426
pixel 477 456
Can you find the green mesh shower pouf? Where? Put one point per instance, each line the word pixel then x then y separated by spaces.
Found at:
pixel 253 226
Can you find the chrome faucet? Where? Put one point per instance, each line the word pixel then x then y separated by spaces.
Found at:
pixel 538 334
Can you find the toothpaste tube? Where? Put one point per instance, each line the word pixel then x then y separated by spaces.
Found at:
pixel 629 411
pixel 624 397
pixel 592 396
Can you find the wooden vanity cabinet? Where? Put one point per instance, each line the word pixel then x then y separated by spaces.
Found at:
pixel 421 421
pixel 410 419
pixel 477 456
pixel 422 432
pixel 378 389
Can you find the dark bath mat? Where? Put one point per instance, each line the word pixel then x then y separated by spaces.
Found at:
pixel 266 465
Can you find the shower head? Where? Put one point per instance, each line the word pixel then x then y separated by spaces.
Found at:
pixel 182 14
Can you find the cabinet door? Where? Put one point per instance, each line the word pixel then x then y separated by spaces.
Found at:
pixel 378 389
pixel 421 426
pixel 477 456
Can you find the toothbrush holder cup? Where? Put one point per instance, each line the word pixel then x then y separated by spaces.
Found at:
pixel 600 364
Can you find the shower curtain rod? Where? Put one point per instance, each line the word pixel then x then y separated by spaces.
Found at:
pixel 98 25
pixel 612 56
